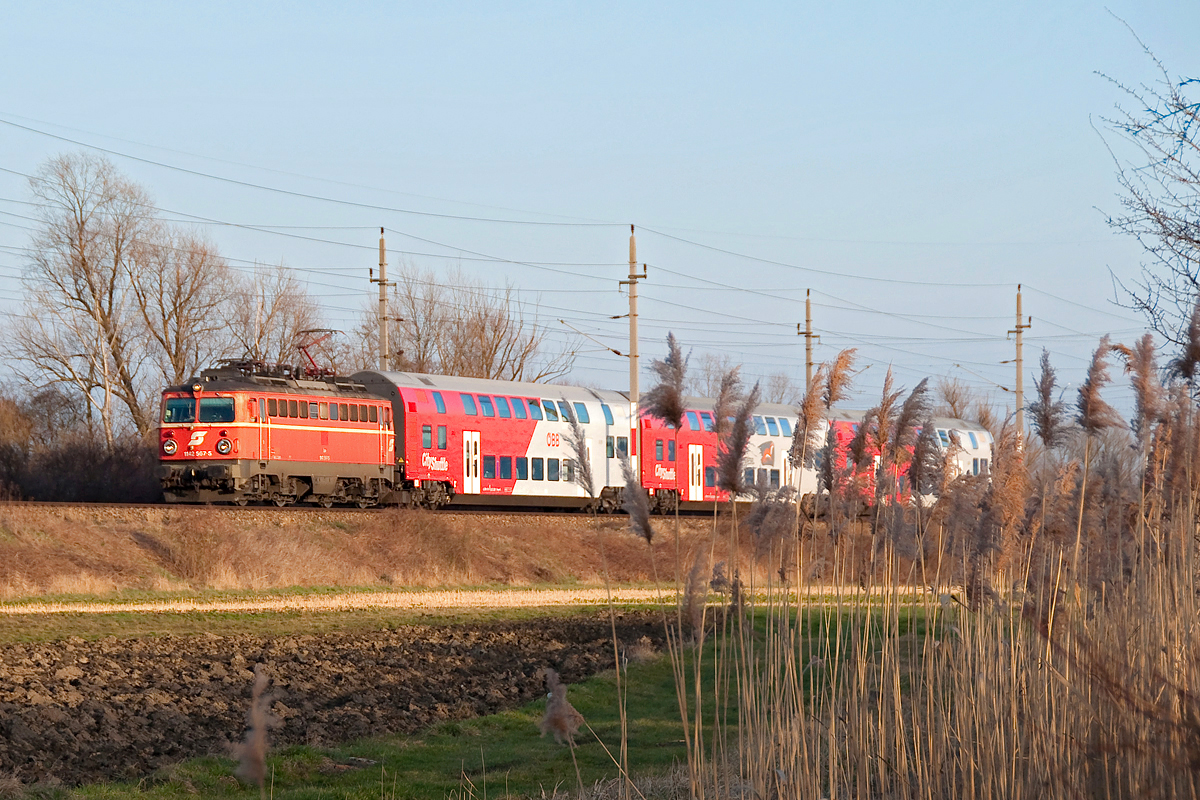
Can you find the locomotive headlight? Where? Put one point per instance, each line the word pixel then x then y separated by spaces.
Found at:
pixel 170 446
pixel 224 446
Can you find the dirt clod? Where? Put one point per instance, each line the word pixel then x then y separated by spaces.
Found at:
pixel 76 711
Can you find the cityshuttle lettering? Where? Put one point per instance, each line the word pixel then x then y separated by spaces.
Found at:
pixel 664 474
pixel 439 464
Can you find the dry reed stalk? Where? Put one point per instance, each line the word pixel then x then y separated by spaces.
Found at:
pixel 251 753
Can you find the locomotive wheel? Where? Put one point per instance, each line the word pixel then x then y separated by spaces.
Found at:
pixel 282 501
pixel 365 503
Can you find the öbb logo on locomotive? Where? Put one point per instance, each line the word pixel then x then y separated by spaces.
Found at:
pixel 287 435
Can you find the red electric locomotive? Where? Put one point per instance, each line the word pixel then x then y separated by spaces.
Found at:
pixel 245 432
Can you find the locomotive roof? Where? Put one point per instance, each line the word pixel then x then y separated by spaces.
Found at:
pixel 231 378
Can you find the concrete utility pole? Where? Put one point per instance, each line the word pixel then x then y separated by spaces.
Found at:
pixel 632 283
pixel 385 355
pixel 808 335
pixel 1020 361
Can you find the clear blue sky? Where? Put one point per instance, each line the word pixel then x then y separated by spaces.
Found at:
pixel 954 144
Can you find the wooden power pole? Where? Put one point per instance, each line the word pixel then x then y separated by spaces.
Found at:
pixel 1020 362
pixel 808 335
pixel 385 355
pixel 632 283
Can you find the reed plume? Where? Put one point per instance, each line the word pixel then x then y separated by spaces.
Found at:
pixel 810 414
pixel 1184 365
pixel 733 449
pixel 1141 364
pixel 913 412
pixel 838 377
pixel 925 466
pixel 1094 413
pixel 577 441
pixel 665 399
pixel 728 393
pixel 561 719
pixel 636 503
pixel 1049 416
pixel 251 753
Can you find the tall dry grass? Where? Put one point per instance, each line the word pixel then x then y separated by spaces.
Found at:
pixel 1035 633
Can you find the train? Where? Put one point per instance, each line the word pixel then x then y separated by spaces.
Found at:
pixel 247 432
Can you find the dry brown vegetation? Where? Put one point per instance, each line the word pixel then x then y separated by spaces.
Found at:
pixel 97 551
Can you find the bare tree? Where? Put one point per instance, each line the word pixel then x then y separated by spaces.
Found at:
pixel 780 388
pixel 459 326
pixel 268 309
pixel 78 325
pixel 181 286
pixel 954 398
pixel 706 373
pixel 1161 197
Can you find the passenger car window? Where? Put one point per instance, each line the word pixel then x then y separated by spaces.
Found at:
pixel 622 447
pixel 710 477
pixel 551 414
pixel 772 428
pixel 610 447
pixel 505 468
pixel 670 450
pixel 971 436
pixel 551 469
pixel 469 405
pixel 760 426
pixel 485 403
pixel 581 413
pixel 538 469
pixel 608 417
pixel 502 408
pixel 535 410
pixel 427 436
pixel 441 437
pixel 439 402
pixel 693 421
pixel 522 469
pixel 489 467
pixel 707 419
pixel 658 450
pixel 565 411
pixel 518 406
pixel 785 426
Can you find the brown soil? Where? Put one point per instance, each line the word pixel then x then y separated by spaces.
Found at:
pixel 78 711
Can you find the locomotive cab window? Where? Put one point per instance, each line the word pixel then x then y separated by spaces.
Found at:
pixel 551 414
pixel 373 411
pixel 179 409
pixel 502 408
pixel 439 402
pixel 518 406
pixel 535 411
pixel 324 410
pixel 273 407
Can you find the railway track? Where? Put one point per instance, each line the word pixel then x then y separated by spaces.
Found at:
pixel 471 510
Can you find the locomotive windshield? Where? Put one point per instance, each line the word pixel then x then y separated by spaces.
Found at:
pixel 179 409
pixel 216 409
